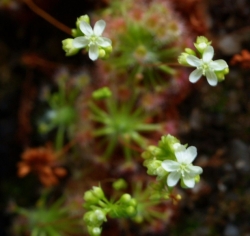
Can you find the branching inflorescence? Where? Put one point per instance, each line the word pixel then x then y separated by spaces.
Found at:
pixel 142 49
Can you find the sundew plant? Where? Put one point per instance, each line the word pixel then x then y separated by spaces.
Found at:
pixel 111 152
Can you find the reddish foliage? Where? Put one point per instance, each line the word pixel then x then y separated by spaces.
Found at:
pixel 41 161
pixel 194 13
pixel 242 59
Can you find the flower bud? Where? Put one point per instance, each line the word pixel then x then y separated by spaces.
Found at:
pixel 190 51
pixel 89 196
pixel 182 59
pixel 94 218
pixel 201 43
pixel 102 93
pixel 125 198
pixel 98 192
pixel 94 231
pixel 120 184
pixel 82 18
pixel 109 49
pixel 152 166
pixel 102 53
pixel 130 211
pixel 67 45
pixel 133 202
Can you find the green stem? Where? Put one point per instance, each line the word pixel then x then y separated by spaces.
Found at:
pixel 127 152
pixel 60 137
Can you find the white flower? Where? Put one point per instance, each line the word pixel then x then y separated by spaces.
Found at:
pixel 92 38
pixel 182 168
pixel 206 66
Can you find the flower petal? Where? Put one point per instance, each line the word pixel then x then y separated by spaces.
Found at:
pixel 193 61
pixel 218 65
pixel 180 155
pixel 99 27
pixel 211 78
pixel 173 178
pixel 189 182
pixel 195 75
pixel 86 28
pixel 190 154
pixel 93 52
pixel 103 42
pixel 80 42
pixel 208 54
pixel 170 165
pixel 195 170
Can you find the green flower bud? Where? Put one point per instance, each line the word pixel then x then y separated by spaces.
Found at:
pixel 102 93
pixel 150 152
pixel 100 215
pixel 221 74
pixel 94 218
pixel 89 197
pixel 152 166
pixel 190 51
pixel 82 18
pixel 133 202
pixel 69 48
pixel 197 179
pixel 94 231
pixel 102 53
pixel 109 49
pixel 157 152
pixel 182 59
pixel 201 43
pixel 125 198
pixel 77 32
pixel 120 184
pixel 130 211
pixel 160 172
pixel 98 192
pixel 138 219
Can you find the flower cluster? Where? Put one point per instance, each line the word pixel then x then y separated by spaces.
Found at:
pixel 213 70
pixel 172 162
pixel 99 207
pixel 91 39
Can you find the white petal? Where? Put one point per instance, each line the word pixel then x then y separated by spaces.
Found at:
pixel 93 52
pixel 193 61
pixel 170 165
pixel 195 170
pixel 173 178
pixel 190 154
pixel 103 42
pixel 195 75
pixel 218 65
pixel 208 54
pixel 189 182
pixel 86 28
pixel 211 78
pixel 99 27
pixel 80 42
pixel 180 155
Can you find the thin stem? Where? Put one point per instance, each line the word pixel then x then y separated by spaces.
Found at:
pixel 47 17
pixel 60 137
pixel 127 152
